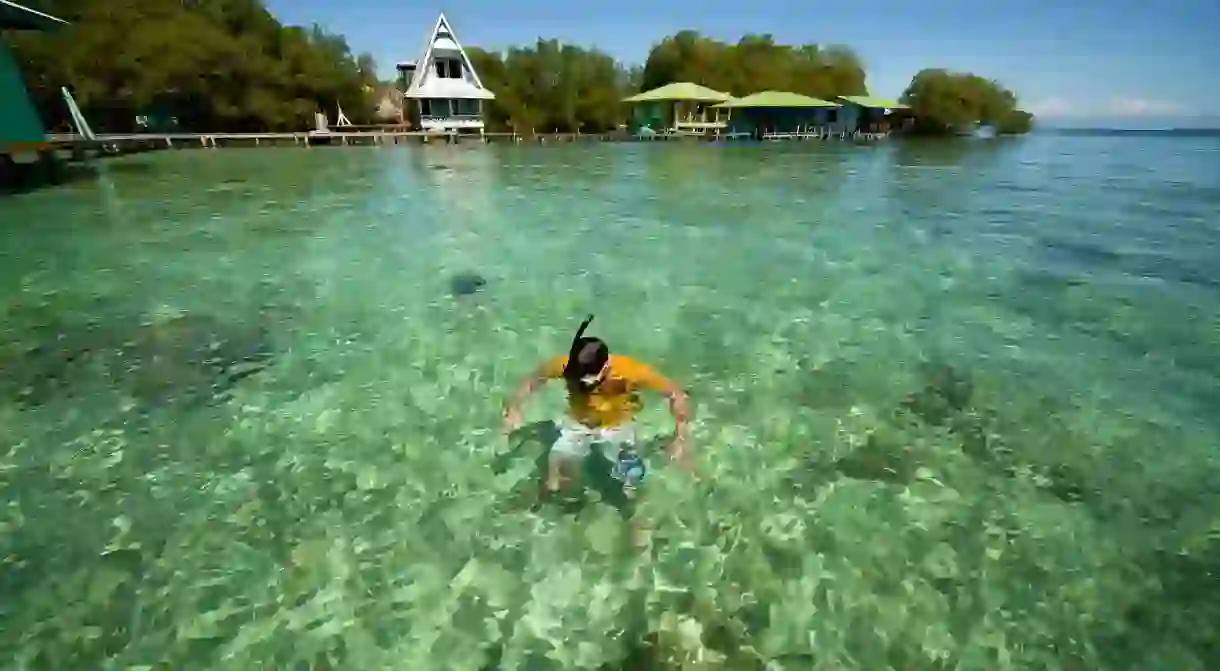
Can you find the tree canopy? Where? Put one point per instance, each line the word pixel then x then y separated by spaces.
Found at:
pixel 214 64
pixel 755 63
pixel 229 65
pixel 945 102
pixel 552 86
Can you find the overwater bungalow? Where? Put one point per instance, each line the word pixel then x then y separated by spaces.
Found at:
pixel 871 116
pixel 774 115
pixel 21 129
pixel 680 107
pixel 445 94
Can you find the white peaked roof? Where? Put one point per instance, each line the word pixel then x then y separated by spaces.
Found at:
pixel 425 83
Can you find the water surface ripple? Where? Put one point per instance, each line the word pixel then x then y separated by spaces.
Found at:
pixel 956 407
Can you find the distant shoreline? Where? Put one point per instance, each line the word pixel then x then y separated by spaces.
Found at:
pixel 1133 132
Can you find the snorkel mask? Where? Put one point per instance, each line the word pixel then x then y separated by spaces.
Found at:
pixel 587 359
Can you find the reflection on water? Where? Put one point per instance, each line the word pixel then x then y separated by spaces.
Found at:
pixel 251 404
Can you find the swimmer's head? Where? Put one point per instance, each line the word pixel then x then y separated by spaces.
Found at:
pixel 588 360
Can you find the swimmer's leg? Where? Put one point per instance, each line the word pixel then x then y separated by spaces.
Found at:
pixel 620 448
pixel 567 454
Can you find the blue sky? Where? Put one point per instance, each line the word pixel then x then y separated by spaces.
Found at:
pixel 1106 58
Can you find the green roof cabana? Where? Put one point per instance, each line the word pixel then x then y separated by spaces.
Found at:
pixel 870 102
pixel 680 107
pixel 776 114
pixel 871 115
pixel 680 92
pixel 20 127
pixel 777 99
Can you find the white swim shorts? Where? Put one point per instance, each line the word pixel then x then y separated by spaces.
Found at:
pixel 575 439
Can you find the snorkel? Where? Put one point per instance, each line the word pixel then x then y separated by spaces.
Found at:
pixel 586 358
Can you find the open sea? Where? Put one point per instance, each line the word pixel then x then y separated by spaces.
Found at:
pixel 956 407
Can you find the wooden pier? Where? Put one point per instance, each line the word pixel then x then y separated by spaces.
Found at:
pixel 76 147
pixel 61 151
pixel 132 142
pixel 65 149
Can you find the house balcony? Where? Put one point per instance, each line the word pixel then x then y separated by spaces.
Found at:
pixel 699 118
pixel 454 122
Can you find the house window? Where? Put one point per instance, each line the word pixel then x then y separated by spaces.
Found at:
pixel 434 107
pixel 448 68
pixel 439 107
pixel 467 107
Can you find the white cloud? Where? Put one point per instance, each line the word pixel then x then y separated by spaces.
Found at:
pixel 1143 107
pixel 1115 107
pixel 1052 107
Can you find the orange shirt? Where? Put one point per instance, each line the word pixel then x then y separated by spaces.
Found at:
pixel 616 400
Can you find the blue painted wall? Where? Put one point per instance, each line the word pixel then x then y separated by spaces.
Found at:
pixel 849 117
pixel 776 120
pixel 655 115
pixel 852 116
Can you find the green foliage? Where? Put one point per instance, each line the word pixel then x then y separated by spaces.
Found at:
pixel 230 65
pixel 217 65
pixel 552 87
pixel 1016 122
pixel 945 103
pixel 755 63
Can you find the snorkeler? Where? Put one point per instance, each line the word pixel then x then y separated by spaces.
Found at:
pixel 603 400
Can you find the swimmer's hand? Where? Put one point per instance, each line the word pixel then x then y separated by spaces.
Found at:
pixel 678 452
pixel 512 410
pixel 512 419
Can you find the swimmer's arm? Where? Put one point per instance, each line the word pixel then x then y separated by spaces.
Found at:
pixel 679 407
pixel 549 370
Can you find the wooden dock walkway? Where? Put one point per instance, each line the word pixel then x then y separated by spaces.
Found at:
pixel 80 147
pixel 117 141
pixel 65 149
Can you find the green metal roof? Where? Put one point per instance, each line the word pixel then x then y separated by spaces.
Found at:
pixel 19 122
pixel 19 17
pixel 874 103
pixel 680 91
pixel 776 99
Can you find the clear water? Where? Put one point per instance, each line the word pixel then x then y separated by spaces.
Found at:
pixel 956 408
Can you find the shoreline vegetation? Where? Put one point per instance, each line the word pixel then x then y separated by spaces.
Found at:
pixel 144 58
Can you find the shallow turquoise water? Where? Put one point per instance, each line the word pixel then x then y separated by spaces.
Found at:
pixel 955 407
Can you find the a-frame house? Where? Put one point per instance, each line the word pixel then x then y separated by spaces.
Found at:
pixel 445 93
